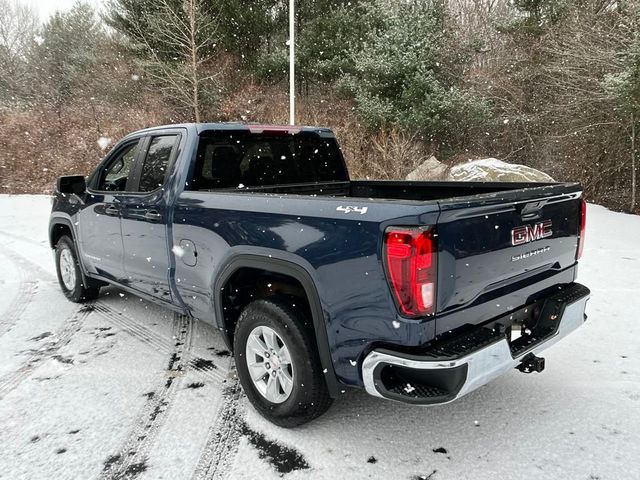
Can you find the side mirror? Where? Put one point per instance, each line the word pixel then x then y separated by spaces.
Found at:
pixel 75 184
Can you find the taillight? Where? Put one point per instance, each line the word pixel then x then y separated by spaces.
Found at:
pixel 583 225
pixel 411 267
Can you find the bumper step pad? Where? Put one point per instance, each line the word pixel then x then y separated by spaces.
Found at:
pixel 412 390
pixel 464 344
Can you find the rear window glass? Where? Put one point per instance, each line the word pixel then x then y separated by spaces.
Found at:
pixel 156 163
pixel 240 160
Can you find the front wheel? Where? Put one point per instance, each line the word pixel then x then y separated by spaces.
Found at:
pixel 69 275
pixel 278 364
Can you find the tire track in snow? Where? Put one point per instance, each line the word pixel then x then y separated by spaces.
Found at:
pixel 26 291
pixel 132 457
pixel 224 434
pixel 22 238
pixel 147 336
pixel 31 274
pixel 220 448
pixel 207 369
pixel 223 437
pixel 58 340
pixel 134 328
pixel 27 263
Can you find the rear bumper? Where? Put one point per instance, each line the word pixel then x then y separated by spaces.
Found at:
pixel 443 374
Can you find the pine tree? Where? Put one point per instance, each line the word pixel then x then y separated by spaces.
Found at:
pixel 410 75
pixel 65 57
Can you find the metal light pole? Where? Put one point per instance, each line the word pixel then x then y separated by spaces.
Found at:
pixel 292 63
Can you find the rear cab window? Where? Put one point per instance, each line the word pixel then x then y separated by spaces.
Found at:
pixel 232 160
pixel 157 162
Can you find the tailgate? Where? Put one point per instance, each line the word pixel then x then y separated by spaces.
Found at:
pixel 497 252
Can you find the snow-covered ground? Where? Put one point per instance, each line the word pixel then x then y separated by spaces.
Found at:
pixel 128 390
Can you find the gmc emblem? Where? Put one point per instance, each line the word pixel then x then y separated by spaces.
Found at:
pixel 530 233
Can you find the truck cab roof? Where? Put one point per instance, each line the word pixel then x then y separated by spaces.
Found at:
pixel 239 126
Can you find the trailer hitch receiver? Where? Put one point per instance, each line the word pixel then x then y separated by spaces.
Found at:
pixel 531 364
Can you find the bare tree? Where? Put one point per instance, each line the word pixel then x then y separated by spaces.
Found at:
pixel 179 40
pixel 476 22
pixel 593 76
pixel 18 29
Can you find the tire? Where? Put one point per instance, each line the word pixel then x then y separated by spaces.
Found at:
pixel 70 275
pixel 309 397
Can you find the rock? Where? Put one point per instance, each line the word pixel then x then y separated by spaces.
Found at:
pixel 430 170
pixel 494 170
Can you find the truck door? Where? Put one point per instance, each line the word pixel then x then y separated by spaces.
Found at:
pixel 100 234
pixel 145 217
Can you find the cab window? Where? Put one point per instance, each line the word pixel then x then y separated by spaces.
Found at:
pixel 156 162
pixel 115 174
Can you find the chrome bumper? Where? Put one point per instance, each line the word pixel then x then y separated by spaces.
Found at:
pixel 482 365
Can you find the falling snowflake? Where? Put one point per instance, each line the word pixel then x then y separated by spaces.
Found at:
pixel 103 142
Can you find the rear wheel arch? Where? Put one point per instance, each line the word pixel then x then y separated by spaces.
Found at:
pixel 289 280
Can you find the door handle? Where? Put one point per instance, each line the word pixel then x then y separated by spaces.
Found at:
pixel 112 211
pixel 153 216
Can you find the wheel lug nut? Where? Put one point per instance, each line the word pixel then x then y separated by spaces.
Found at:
pixel 266 354
pixel 273 372
pixel 267 365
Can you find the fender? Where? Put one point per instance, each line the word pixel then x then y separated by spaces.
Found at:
pixel 302 275
pixel 58 218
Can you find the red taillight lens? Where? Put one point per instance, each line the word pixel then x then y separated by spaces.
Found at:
pixel 583 225
pixel 411 268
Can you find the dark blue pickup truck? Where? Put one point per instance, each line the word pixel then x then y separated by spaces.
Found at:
pixel 415 291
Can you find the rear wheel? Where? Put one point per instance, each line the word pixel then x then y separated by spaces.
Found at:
pixel 278 364
pixel 69 274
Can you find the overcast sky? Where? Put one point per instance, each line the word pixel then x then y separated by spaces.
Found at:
pixel 47 7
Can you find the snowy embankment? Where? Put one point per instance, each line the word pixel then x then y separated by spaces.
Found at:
pixel 494 170
pixel 484 170
pixel 128 390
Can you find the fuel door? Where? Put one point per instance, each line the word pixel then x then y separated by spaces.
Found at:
pixel 189 253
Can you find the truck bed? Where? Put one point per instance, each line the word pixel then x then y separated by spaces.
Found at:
pixel 404 190
pixel 481 273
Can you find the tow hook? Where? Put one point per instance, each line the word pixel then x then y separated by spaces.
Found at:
pixel 531 364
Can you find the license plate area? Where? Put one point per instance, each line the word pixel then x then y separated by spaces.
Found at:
pixel 530 325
